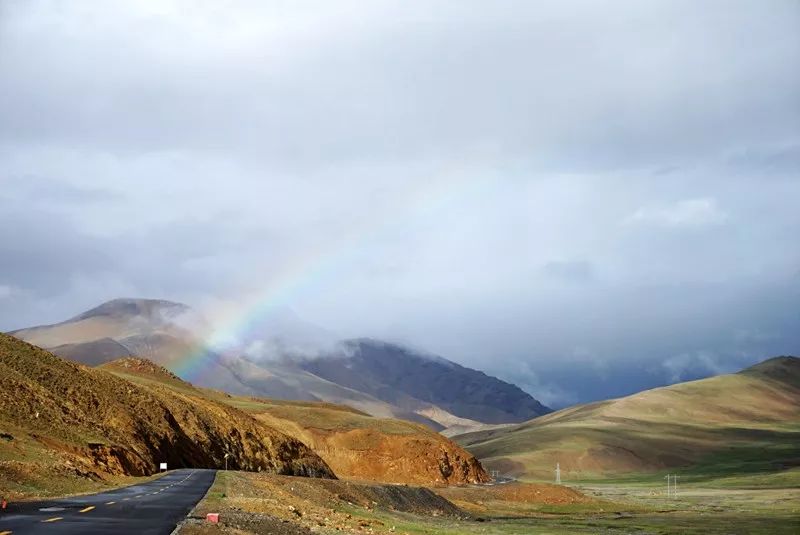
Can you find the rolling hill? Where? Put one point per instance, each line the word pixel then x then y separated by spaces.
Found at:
pixel 63 421
pixel 744 422
pixel 384 380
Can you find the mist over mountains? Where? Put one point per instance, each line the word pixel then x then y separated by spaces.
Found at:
pixel 583 216
pixel 292 360
pixel 281 340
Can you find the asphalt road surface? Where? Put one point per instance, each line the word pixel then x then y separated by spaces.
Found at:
pixel 152 508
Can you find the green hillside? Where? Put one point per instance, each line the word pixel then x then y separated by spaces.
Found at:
pixel 742 423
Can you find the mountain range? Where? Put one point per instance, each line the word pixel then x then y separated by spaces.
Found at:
pixel 379 378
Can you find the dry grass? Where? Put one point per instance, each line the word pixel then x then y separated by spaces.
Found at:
pixel 254 503
pixel 264 503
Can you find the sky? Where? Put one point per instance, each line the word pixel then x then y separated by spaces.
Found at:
pixel 583 198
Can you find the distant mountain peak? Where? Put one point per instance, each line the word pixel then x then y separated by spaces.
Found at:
pixel 131 307
pixel 363 345
pixel 403 376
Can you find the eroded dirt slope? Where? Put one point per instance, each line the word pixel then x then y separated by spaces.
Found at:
pixel 375 449
pixel 68 420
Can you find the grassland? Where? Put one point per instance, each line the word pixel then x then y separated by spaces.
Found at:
pixel 256 503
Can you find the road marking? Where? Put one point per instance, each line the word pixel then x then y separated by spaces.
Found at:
pixel 139 496
pixel 86 509
pixel 110 503
pixel 54 519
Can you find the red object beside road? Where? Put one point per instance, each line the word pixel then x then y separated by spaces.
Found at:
pixel 212 517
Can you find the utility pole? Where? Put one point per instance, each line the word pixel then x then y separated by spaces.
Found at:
pixel 672 485
pixel 558 474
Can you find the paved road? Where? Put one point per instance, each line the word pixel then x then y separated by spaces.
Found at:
pixel 152 508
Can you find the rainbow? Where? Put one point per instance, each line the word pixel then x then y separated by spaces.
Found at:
pixel 313 271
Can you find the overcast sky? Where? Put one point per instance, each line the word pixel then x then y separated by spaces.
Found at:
pixel 585 198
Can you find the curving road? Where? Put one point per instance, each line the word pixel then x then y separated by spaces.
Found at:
pixel 152 508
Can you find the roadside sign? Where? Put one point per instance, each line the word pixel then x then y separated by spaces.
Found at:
pixel 162 466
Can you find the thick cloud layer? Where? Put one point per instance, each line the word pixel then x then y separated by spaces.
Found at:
pixel 584 199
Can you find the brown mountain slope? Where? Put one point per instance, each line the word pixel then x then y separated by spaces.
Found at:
pixel 743 422
pixel 355 444
pixel 73 421
pixel 376 449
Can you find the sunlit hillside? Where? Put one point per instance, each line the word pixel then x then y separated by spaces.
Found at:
pixel 741 422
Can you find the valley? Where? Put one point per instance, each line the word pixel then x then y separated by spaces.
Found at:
pixel 450 267
pixel 359 441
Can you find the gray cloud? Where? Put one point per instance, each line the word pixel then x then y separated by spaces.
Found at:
pixel 683 213
pixel 569 195
pixel 570 271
